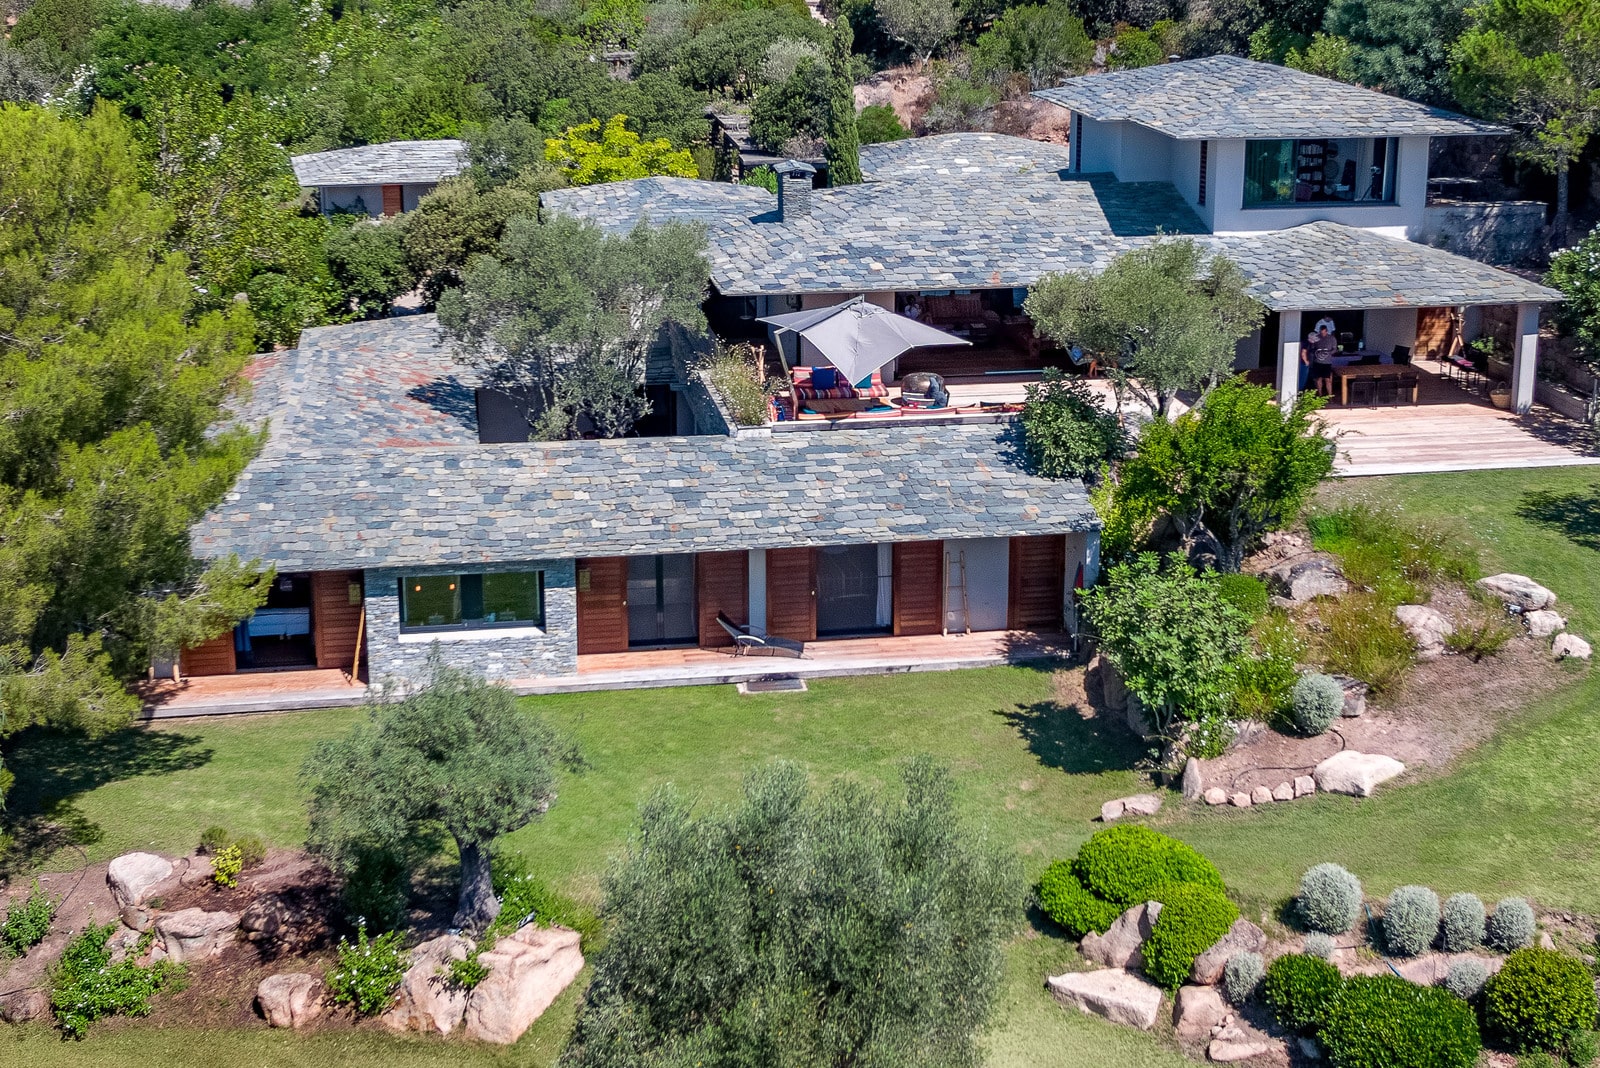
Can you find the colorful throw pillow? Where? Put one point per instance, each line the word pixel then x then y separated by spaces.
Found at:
pixel 824 378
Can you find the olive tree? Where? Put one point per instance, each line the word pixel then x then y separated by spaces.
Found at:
pixel 564 317
pixel 1161 319
pixel 454 754
pixel 801 930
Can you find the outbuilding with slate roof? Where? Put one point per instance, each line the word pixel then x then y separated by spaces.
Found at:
pixel 384 179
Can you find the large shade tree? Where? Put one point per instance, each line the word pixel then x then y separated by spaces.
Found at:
pixel 1400 46
pixel 455 753
pixel 563 319
pixel 109 380
pixel 1536 65
pixel 801 931
pixel 1161 319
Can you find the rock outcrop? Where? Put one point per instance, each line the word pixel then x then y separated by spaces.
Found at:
pixel 1120 946
pixel 1356 774
pixel 1242 937
pixel 1570 647
pixel 527 970
pixel 1543 623
pixel 1119 996
pixel 133 876
pixel 1197 1010
pixel 1519 590
pixel 1137 805
pixel 1428 628
pixel 427 1000
pixel 195 934
pixel 292 999
pixel 1306 580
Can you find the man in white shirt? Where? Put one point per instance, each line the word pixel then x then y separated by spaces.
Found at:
pixel 1325 321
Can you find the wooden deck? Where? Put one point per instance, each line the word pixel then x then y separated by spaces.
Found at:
pixel 282 691
pixel 824 659
pixel 1451 428
pixel 263 691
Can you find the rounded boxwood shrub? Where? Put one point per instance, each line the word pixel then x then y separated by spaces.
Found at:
pixel 1124 864
pixel 1382 1021
pixel 1065 901
pixel 1511 926
pixel 1537 997
pixel 1462 928
pixel 1192 918
pixel 1317 700
pixel 1465 978
pixel 1247 593
pixel 1298 989
pixel 1411 920
pixel 1330 899
pixel 1320 945
pixel 1241 975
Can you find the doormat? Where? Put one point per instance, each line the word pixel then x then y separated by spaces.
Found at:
pixel 782 684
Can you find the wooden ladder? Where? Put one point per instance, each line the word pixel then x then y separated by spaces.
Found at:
pixel 961 585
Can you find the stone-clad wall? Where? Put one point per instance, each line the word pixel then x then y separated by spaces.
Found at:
pixel 516 653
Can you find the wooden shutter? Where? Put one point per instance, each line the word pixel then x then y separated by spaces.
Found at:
pixel 335 617
pixel 1037 584
pixel 393 199
pixel 918 587
pixel 603 605
pixel 722 584
pixel 792 593
pixel 214 657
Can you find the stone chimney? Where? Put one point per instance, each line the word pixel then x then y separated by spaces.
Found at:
pixel 794 189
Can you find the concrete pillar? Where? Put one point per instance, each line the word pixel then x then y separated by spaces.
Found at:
pixel 758 590
pixel 1289 341
pixel 1525 357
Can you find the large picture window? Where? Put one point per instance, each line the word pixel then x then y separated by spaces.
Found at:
pixel 460 602
pixel 1351 170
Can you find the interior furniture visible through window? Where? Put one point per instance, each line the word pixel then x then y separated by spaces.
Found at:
pixel 469 602
pixel 1287 172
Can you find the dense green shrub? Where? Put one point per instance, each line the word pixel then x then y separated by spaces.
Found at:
pixel 1511 926
pixel 1330 899
pixel 1537 997
pixel 878 123
pixel 86 986
pixel 214 839
pixel 1298 989
pixel 368 973
pixel 1317 701
pixel 1320 945
pixel 1382 1021
pixel 1411 920
pixel 1241 976
pixel 1070 904
pixel 1466 978
pixel 27 923
pixel 1067 430
pixel 1124 864
pixel 1462 923
pixel 1247 593
pixel 1583 1048
pixel 252 850
pixel 1192 918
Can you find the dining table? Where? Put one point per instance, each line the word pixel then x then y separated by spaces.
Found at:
pixel 1344 373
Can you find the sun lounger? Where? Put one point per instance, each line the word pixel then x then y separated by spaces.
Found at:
pixel 747 641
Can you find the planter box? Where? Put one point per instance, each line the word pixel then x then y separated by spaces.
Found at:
pixel 1560 400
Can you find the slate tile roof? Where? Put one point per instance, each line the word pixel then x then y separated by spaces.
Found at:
pixel 1330 265
pixel 965 211
pixel 1226 96
pixel 952 211
pixel 391 163
pixel 388 383
pixel 373 459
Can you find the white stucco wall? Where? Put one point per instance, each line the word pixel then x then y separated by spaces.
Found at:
pixel 1401 219
pixel 1388 327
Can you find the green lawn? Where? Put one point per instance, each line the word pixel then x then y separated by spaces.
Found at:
pixel 1520 815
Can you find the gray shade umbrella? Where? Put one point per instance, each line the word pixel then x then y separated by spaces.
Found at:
pixel 858 337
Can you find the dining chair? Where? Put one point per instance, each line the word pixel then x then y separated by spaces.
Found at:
pixel 1361 391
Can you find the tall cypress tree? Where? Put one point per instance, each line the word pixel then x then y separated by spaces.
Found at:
pixel 844 143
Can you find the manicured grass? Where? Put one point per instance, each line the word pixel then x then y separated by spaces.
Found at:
pixel 1521 815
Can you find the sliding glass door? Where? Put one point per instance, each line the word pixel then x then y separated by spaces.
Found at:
pixel 661 600
pixel 854 591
